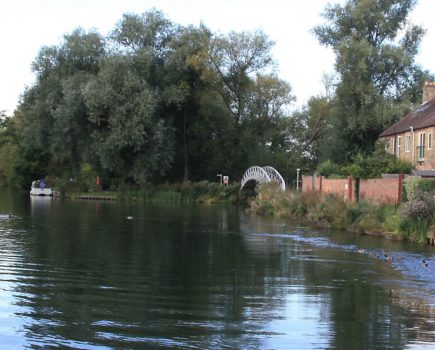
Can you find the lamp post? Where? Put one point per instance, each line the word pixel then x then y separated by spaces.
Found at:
pixel 297 179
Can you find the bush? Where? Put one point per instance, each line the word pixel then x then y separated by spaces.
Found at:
pixel 426 185
pixel 353 213
pixel 410 186
pixel 328 169
pixel 420 207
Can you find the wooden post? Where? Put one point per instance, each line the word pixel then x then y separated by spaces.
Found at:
pixel 320 183
pixel 400 189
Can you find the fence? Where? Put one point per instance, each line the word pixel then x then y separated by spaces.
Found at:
pixel 386 190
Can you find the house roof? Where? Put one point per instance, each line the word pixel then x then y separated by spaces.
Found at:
pixel 420 118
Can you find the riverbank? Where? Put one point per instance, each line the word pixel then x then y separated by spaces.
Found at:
pixel 201 192
pixel 410 221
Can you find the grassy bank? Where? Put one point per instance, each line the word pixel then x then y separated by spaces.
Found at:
pixel 202 192
pixel 409 221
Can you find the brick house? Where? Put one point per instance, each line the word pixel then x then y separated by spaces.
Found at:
pixel 412 137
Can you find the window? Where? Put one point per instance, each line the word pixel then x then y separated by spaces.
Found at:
pixel 407 142
pixel 399 139
pixel 420 147
pixel 429 141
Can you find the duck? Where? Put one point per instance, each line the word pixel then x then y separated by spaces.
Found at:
pixel 129 217
pixel 386 256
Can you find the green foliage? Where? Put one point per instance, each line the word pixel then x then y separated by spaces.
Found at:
pixel 87 177
pixel 366 167
pixel 410 187
pixel 426 185
pixel 152 102
pixel 8 156
pixel 415 229
pixel 378 79
pixel 204 192
pixel 328 169
pixel 311 129
pixel 155 101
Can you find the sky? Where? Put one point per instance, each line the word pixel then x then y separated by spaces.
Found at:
pixel 28 25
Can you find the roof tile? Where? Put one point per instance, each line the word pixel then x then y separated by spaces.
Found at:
pixel 420 118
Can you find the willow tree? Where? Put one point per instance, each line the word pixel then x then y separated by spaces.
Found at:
pixel 55 131
pixel 254 98
pixel 375 48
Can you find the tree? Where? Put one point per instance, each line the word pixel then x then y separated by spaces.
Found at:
pixel 312 128
pixel 153 101
pixel 235 58
pixel 56 131
pixel 8 148
pixel 375 47
pixel 150 31
pixel 254 98
pixel 129 141
pixel 183 86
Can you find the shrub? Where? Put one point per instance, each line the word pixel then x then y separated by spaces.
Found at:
pixel 353 213
pixel 328 169
pixel 410 185
pixel 420 207
pixel 426 185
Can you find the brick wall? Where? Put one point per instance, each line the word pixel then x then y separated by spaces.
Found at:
pixel 339 187
pixel 310 183
pixel 378 191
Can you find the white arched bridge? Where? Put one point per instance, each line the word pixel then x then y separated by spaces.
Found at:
pixel 262 175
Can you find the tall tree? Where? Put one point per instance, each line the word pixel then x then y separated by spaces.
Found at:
pixel 375 48
pixel 8 148
pixel 130 142
pixel 55 120
pixel 239 63
pixel 183 85
pixel 236 58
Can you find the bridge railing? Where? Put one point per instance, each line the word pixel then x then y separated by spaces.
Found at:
pixel 262 175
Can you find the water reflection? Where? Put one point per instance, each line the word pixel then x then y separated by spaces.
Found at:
pixel 80 275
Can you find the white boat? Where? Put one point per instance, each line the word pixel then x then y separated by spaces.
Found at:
pixel 39 188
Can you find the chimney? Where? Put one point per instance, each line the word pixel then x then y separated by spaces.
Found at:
pixel 428 91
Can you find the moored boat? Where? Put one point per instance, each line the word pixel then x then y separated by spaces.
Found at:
pixel 39 188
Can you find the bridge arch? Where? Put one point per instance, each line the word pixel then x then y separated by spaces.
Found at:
pixel 262 175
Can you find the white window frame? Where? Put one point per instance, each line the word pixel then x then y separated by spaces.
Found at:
pixel 421 145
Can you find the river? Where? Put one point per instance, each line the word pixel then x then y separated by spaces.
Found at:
pixel 81 275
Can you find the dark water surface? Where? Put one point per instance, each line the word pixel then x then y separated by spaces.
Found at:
pixel 79 275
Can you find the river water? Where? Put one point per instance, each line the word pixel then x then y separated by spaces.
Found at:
pixel 80 275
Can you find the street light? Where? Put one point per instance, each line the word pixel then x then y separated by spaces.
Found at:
pixel 297 179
